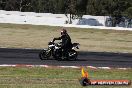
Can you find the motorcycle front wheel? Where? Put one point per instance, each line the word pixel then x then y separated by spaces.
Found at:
pixel 44 54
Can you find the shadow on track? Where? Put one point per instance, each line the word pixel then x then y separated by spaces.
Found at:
pixel 102 56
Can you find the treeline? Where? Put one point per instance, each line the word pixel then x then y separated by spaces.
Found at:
pixel 76 8
pixel 91 7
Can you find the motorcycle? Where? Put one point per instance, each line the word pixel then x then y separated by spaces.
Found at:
pixel 54 50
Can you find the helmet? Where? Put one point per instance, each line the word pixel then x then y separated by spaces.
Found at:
pixel 63 32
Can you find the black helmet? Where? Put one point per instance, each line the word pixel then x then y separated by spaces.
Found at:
pixel 63 31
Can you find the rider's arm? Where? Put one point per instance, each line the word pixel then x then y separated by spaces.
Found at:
pixel 59 38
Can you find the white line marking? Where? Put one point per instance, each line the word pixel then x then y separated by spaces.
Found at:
pixel 48 66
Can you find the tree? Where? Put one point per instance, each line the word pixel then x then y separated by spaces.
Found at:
pixel 128 12
pixel 37 6
pixel 72 10
pixel 2 4
pixel 58 6
pixel 95 7
pixel 119 7
pixel 23 4
pixel 81 7
pixel 10 5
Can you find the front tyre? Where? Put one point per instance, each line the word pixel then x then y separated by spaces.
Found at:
pixel 72 55
pixel 44 54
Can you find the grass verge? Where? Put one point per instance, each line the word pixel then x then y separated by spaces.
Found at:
pixel 31 36
pixel 38 77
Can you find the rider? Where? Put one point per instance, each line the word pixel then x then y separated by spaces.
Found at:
pixel 66 41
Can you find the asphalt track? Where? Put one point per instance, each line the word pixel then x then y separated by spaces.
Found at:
pixel 97 59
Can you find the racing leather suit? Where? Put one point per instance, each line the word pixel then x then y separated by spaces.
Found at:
pixel 66 43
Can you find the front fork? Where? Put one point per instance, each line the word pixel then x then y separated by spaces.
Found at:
pixel 48 52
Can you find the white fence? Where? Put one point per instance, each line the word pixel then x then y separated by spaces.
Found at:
pixel 54 20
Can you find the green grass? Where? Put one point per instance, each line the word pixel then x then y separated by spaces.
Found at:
pixel 31 36
pixel 38 77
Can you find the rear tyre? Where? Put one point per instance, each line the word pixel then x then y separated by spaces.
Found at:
pixel 44 54
pixel 72 55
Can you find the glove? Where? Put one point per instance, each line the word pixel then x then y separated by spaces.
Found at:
pixel 51 41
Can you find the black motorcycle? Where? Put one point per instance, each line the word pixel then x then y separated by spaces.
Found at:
pixel 55 50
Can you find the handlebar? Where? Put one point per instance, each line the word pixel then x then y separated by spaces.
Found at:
pixel 56 44
pixel 50 43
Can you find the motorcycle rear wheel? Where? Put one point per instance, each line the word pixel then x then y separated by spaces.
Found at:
pixel 72 55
